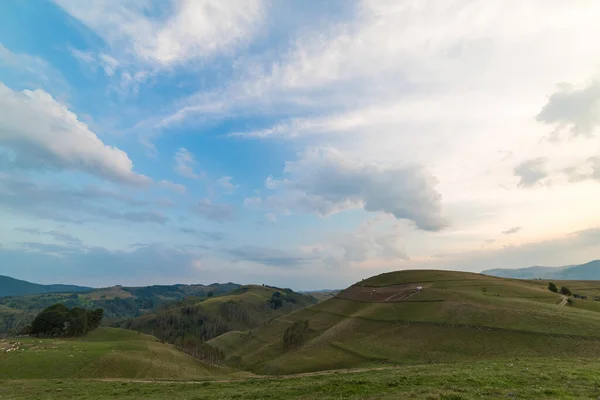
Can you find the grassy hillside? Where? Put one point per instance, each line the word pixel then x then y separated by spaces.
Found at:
pixel 16 287
pixel 103 353
pixel 456 316
pixel 188 324
pixel 117 301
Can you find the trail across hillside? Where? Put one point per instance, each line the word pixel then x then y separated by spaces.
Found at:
pixel 563 301
pixel 252 377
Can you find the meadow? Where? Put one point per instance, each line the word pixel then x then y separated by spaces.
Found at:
pixel 509 378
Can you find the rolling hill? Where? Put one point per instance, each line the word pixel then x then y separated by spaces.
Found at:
pixel 457 316
pixel 190 323
pixel 16 287
pixel 118 302
pixel 102 353
pixel 588 271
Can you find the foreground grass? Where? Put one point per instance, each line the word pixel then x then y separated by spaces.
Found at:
pixel 522 379
pixel 103 353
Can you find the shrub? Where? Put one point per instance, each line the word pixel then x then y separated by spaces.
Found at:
pixel 295 335
pixel 565 290
pixel 570 302
pixel 552 287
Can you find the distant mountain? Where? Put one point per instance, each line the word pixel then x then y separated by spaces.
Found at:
pixel 588 271
pixel 16 287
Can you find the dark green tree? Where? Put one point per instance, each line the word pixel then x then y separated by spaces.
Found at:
pixel 51 321
pixel 275 301
pixel 58 320
pixel 95 318
pixel 552 287
pixel 565 290
pixel 295 335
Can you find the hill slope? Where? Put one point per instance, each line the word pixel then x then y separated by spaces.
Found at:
pixel 16 287
pixel 588 271
pixel 456 316
pixel 103 353
pixel 188 324
pixel 117 302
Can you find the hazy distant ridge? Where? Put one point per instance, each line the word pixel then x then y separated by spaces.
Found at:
pixel 16 287
pixel 588 271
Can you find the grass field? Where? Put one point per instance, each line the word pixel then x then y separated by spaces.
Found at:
pixel 103 353
pixel 506 379
pixel 456 317
pixel 462 336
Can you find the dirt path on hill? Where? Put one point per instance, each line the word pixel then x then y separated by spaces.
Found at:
pixel 262 377
pixel 563 301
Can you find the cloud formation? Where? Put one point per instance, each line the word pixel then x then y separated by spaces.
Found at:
pixel 97 266
pixel 226 184
pixel 176 187
pixel 54 234
pixel 574 108
pixel 326 181
pixel 531 172
pixel 109 64
pixel 267 256
pixel 63 203
pixel 192 28
pixel 512 230
pixel 185 163
pixel 40 133
pixel 214 211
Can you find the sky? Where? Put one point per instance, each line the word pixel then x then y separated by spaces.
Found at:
pixel 303 144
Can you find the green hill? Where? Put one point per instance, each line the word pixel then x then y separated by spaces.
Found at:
pixel 118 302
pixel 103 353
pixel 189 323
pixel 456 316
pixel 16 287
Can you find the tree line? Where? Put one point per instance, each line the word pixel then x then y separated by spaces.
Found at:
pixel 59 320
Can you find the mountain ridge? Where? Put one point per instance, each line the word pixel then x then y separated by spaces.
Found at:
pixel 587 271
pixel 10 286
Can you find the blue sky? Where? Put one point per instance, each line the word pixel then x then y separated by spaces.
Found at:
pixel 301 144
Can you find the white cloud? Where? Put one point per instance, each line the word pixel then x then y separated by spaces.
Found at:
pixel 411 48
pixel 213 211
pixel 512 230
pixel 531 172
pixel 589 169
pixel 177 32
pixel 184 164
pixel 51 200
pixel 226 184
pixel 108 63
pixel 85 56
pixel 176 187
pixel 367 243
pixel 326 181
pixel 41 133
pixel 574 108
